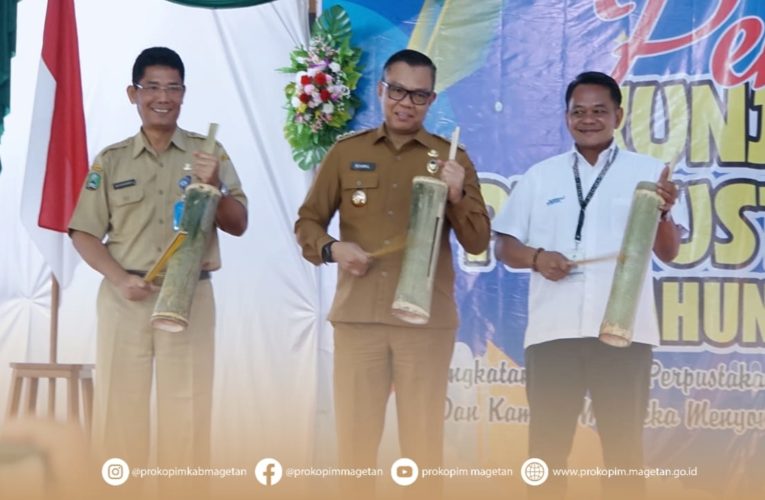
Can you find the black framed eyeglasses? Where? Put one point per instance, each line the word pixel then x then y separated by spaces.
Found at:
pixel 173 89
pixel 398 93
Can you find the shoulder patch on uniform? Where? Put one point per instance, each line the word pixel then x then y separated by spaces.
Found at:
pixel 353 133
pixel 449 141
pixel 93 181
pixel 118 145
pixel 195 135
pixel 200 137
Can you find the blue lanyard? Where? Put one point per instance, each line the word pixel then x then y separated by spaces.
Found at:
pixel 584 201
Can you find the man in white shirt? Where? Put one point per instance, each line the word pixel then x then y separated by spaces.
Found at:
pixel 566 208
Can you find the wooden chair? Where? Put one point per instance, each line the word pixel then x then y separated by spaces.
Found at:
pixel 79 385
pixel 79 378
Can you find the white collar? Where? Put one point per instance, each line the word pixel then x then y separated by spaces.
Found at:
pixel 606 156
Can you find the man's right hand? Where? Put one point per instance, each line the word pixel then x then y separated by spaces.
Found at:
pixel 133 287
pixel 351 257
pixel 554 265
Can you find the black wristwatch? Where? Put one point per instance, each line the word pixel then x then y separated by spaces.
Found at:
pixel 326 252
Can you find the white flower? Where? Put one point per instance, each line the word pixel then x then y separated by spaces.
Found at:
pixel 335 67
pixel 295 101
pixel 309 89
pixel 336 91
pixel 328 108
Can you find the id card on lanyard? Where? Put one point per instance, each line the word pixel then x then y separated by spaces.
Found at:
pixel 578 251
pixel 179 205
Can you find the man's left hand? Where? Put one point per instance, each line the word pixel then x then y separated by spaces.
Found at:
pixel 453 174
pixel 667 190
pixel 205 168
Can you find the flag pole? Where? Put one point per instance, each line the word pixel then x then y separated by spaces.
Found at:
pixel 55 301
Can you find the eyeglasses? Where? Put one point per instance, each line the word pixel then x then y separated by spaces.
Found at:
pixel 172 90
pixel 418 97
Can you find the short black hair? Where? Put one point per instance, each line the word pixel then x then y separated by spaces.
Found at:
pixel 412 58
pixel 595 78
pixel 157 56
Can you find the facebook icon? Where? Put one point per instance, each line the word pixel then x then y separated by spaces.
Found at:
pixel 268 472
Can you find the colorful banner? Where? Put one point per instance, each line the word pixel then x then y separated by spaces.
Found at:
pixel 693 93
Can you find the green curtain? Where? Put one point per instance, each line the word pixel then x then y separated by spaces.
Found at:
pixel 220 4
pixel 7 50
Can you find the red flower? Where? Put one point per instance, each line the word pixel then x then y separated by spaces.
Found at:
pixel 320 79
pixel 304 98
pixel 305 80
pixel 325 95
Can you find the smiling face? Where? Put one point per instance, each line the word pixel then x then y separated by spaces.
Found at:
pixel 592 117
pixel 158 109
pixel 405 117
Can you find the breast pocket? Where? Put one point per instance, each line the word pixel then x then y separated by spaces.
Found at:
pixel 360 194
pixel 125 196
pixel 127 211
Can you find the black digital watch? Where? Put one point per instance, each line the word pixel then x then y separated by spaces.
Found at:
pixel 326 252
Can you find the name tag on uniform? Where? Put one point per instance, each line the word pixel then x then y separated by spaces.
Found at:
pixel 124 184
pixel 363 166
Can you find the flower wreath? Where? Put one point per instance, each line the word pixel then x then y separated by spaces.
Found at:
pixel 320 100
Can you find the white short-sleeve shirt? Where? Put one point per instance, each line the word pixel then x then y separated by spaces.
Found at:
pixel 542 211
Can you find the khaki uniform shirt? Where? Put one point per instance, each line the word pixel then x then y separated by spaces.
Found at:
pixel 369 162
pixel 129 196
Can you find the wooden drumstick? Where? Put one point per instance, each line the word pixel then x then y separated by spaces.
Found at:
pixel 169 251
pixel 397 245
pixel 593 260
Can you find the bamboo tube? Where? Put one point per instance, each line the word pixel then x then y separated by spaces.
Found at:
pixel 415 283
pixel 414 292
pixel 631 266
pixel 171 311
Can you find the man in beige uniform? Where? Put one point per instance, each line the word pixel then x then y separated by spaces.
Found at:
pixel 368 178
pixel 129 198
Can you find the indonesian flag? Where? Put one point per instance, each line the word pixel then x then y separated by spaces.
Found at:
pixel 57 158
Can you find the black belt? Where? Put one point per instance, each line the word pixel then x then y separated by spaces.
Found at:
pixel 203 275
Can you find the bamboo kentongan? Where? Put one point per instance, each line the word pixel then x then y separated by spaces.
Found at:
pixel 171 311
pixel 631 266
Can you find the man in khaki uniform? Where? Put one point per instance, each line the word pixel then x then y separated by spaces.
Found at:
pixel 367 177
pixel 129 198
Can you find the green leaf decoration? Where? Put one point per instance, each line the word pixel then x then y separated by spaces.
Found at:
pixel 334 22
pixel 320 99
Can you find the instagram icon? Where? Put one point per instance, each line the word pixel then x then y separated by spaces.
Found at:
pixel 115 471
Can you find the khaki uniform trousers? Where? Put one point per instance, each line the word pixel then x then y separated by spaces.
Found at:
pixel 372 359
pixel 128 352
